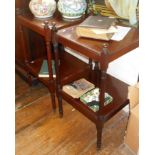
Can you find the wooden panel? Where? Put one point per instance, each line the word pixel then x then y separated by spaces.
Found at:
pixel 36 42
pixel 21 3
pixel 18 54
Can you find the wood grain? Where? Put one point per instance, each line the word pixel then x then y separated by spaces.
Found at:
pixel 73 134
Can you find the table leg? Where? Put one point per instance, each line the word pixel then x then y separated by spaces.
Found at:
pixel 90 67
pixel 52 94
pixel 57 48
pixel 49 58
pixel 99 127
pixel 97 73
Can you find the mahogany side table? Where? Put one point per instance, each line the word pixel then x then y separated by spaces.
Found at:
pixel 102 53
pixel 42 27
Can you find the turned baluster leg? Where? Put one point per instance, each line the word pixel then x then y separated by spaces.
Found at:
pixel 96 73
pixel 52 94
pixel 103 75
pixel 49 58
pixel 57 48
pixel 99 127
pixel 60 106
pixel 99 124
pixel 58 85
pixel 90 69
pixel 53 102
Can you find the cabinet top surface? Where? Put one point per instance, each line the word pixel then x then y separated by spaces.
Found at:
pixel 29 21
pixel 92 47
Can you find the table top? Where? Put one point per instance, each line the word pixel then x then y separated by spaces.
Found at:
pixel 93 48
pixel 37 24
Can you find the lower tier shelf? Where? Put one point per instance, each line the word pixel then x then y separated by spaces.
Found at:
pixel 70 68
pixel 116 88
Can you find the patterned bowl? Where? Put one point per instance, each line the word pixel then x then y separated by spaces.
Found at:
pixel 72 9
pixel 42 8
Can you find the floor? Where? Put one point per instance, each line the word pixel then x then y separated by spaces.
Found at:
pixel 39 131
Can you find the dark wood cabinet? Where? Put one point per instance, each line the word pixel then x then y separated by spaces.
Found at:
pixel 18 54
pixel 37 45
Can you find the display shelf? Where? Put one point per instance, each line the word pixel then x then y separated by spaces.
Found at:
pixel 68 66
pixel 116 88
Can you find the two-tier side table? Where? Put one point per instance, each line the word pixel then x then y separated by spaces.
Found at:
pixel 102 53
pixel 42 27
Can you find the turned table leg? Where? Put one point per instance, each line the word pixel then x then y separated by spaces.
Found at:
pixel 57 47
pixel 97 73
pixel 90 67
pixel 49 58
pixel 60 106
pixel 103 76
pixel 99 135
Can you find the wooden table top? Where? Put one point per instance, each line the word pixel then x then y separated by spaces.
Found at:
pixel 37 25
pixel 93 48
